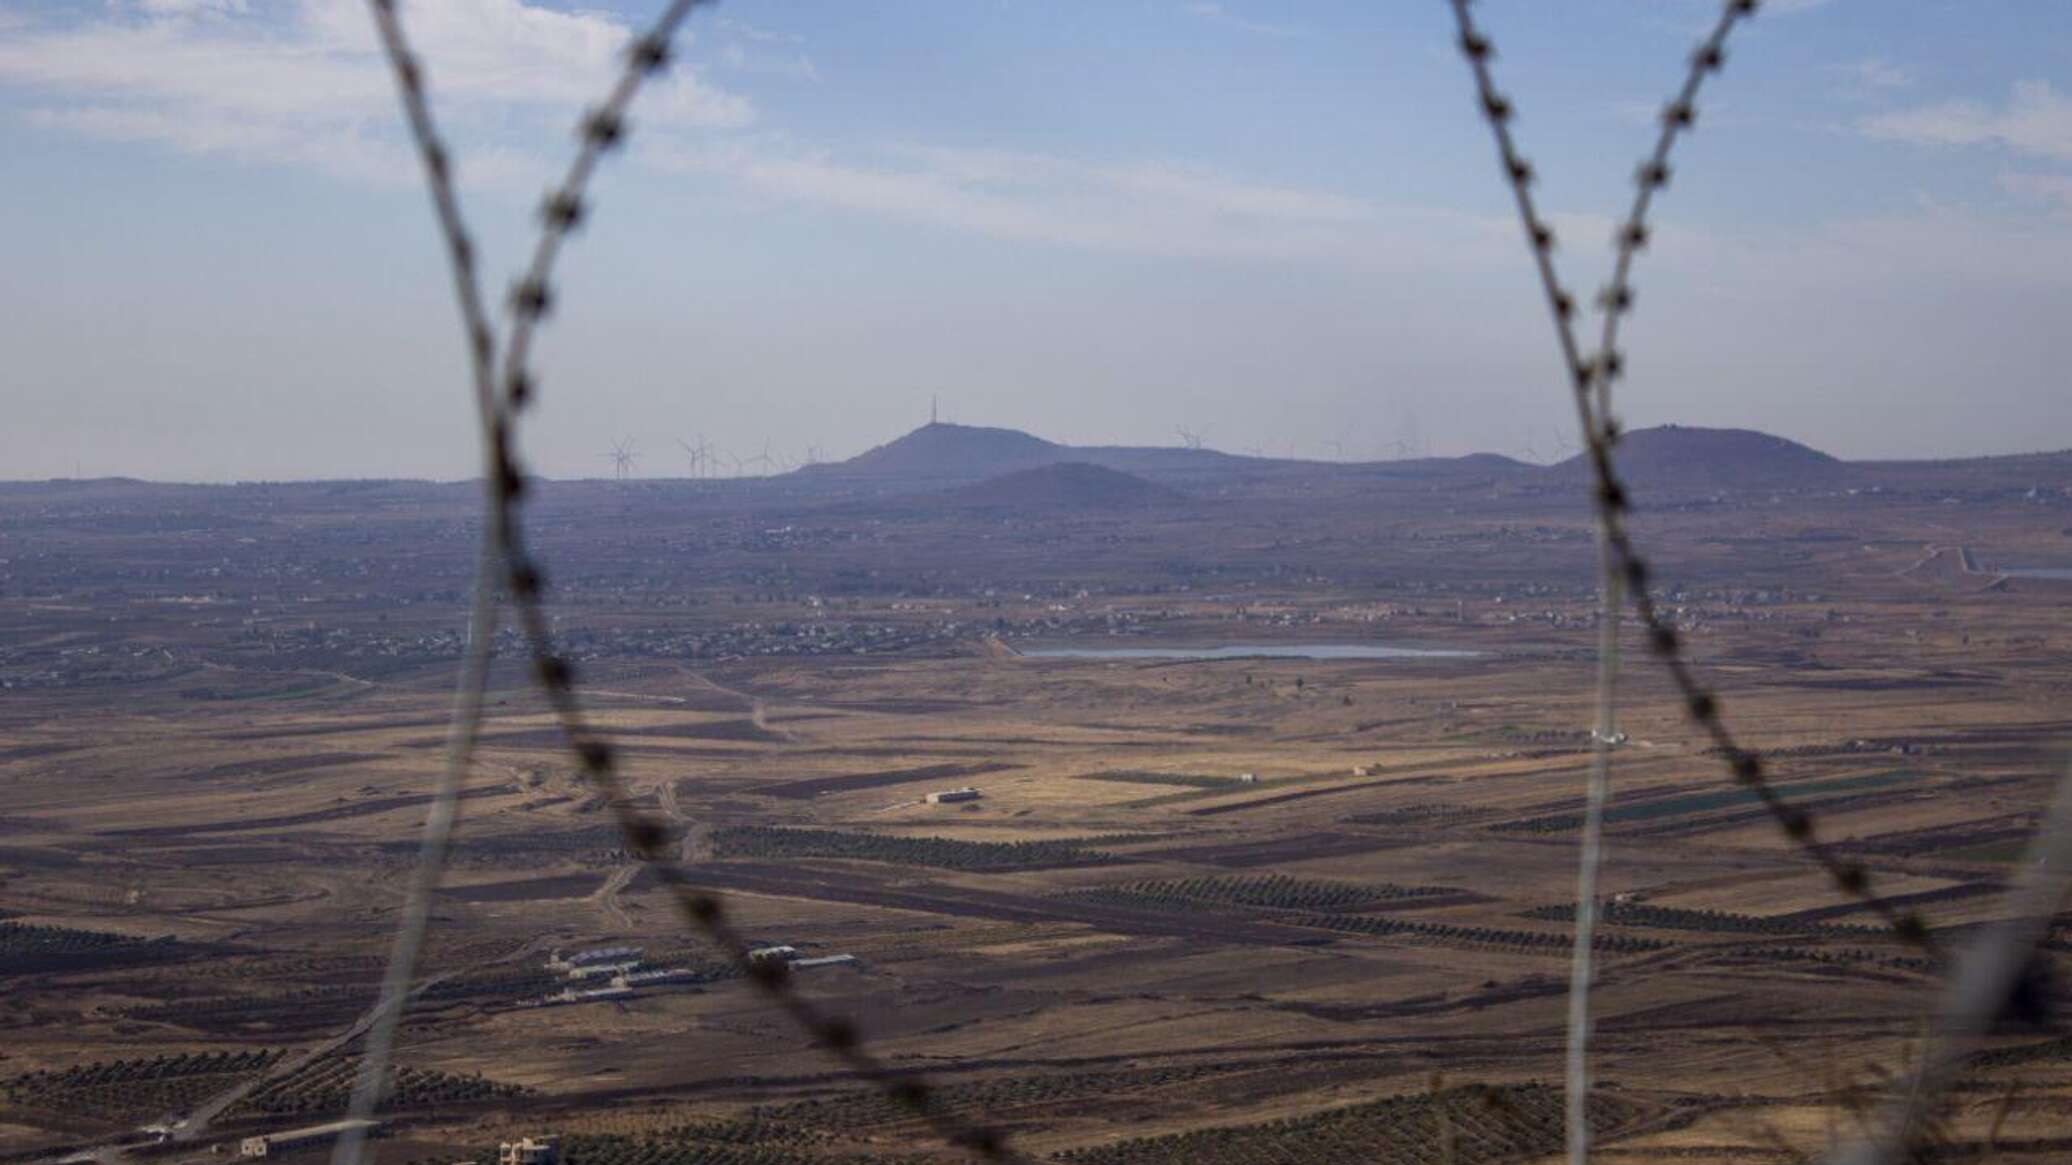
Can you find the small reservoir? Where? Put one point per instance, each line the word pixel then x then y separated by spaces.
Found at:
pixel 1253 651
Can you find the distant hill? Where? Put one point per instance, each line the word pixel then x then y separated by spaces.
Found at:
pixel 936 459
pixel 944 452
pixel 937 454
pixel 1671 455
pixel 1066 485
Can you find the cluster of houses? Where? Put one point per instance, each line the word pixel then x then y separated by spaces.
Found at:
pixel 606 973
pixel 796 960
pixel 602 974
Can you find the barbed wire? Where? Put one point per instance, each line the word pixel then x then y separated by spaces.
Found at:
pixel 1992 970
pixel 1614 303
pixel 505 387
pixel 1612 500
pixel 563 209
pixel 371 1083
pixel 506 487
pixel 1620 563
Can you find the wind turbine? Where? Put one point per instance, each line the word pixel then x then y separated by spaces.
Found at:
pixel 1188 437
pixel 700 455
pixel 623 459
pixel 763 459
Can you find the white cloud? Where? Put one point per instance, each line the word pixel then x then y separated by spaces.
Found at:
pixel 746 31
pixel 1701 15
pixel 2036 120
pixel 192 7
pixel 2049 188
pixel 303 82
pixel 1149 208
pixel 752 49
pixel 1872 76
pixel 1931 249
pixel 794 64
pixel 1221 14
pixel 346 151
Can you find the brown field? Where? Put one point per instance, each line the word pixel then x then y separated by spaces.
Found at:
pixel 1104 947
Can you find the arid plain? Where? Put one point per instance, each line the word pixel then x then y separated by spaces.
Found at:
pixel 1317 907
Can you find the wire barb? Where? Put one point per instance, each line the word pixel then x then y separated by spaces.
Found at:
pixel 1993 975
pixel 1620 561
pixel 507 560
pixel 465 721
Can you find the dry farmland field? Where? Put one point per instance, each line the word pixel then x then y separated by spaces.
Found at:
pixel 1242 909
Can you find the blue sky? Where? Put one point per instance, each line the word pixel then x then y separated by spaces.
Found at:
pixel 1278 225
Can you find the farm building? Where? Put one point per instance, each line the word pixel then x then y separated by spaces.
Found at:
pixel 766 954
pixel 560 962
pixel 950 796
pixel 1248 778
pixel 595 995
pixel 530 1151
pixel 270 1143
pixel 601 970
pixel 660 975
pixel 822 961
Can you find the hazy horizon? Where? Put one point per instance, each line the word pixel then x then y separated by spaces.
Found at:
pixel 1279 228
pixel 670 471
pixel 1194 702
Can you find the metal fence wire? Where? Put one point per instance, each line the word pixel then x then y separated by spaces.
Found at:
pixel 504 385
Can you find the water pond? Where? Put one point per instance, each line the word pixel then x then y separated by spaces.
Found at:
pixel 1254 651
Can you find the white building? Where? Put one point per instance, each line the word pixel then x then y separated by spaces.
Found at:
pixel 271 1143
pixel 560 962
pixel 949 796
pixel 530 1151
pixel 601 970
pixel 659 975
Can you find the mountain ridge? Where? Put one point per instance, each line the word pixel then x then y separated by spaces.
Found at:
pixel 1688 454
pixel 944 455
